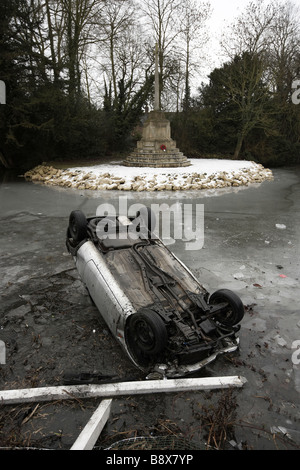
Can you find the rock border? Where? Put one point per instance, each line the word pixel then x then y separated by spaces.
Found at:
pixel 170 181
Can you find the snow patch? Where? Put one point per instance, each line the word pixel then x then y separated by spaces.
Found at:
pixel 202 174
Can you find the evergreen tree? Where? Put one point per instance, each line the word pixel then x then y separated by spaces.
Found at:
pixel 239 99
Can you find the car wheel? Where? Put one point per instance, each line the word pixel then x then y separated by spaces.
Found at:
pixel 147 333
pixel 233 312
pixel 78 226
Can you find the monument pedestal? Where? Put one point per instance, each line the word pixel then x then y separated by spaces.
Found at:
pixel 156 148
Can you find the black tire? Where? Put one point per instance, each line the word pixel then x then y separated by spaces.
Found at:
pixel 78 226
pixel 146 333
pixel 233 313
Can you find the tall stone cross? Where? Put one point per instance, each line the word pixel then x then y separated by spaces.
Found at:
pixel 156 147
pixel 156 94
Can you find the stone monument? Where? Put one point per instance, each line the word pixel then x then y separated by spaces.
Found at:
pixel 156 148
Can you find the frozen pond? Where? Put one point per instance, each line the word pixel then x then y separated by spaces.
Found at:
pixel 49 325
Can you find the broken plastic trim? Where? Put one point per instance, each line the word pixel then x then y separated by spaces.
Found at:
pixel 173 371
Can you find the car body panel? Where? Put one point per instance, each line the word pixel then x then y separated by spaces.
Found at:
pixel 126 275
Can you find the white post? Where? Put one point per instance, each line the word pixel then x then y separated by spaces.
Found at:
pixel 90 433
pixel 2 352
pixel 8 397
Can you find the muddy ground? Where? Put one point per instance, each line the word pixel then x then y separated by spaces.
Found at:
pixel 51 328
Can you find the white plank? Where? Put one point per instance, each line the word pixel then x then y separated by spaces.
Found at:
pixel 2 352
pixel 8 397
pixel 89 435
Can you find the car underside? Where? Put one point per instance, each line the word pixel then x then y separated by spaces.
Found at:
pixel 168 322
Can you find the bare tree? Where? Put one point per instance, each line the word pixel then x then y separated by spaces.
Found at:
pixel 113 23
pixel 53 56
pixel 62 37
pixel 131 56
pixel 270 29
pixel 77 14
pixel 164 29
pixel 193 20
pixel 283 54
pixel 250 31
pixel 268 32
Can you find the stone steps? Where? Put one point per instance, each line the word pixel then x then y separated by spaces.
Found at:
pixel 157 160
pixel 149 153
pixel 162 164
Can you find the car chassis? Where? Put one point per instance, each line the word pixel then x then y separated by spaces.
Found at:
pixel 154 306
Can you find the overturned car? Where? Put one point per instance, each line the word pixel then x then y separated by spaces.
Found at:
pixel 153 305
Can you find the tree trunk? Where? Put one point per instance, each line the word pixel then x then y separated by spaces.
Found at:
pixel 238 146
pixel 6 162
pixel 187 94
pixel 112 61
pixel 51 40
